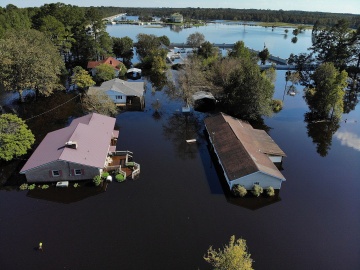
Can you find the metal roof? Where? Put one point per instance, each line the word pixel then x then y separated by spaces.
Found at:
pixel 121 86
pixel 92 133
pixel 242 149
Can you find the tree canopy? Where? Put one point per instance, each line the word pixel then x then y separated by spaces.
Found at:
pixel 29 60
pixel 104 72
pixel 98 101
pixel 81 78
pixel 195 39
pixel 15 137
pixel 234 256
pixel 325 98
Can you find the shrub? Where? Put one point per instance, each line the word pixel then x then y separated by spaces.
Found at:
pixel 24 186
pixel 270 191
pixel 97 180
pixel 76 185
pixel 31 187
pixel 104 175
pixel 45 186
pixel 276 105
pixel 120 177
pixel 239 190
pixel 257 190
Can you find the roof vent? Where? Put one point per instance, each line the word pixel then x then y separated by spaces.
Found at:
pixel 71 144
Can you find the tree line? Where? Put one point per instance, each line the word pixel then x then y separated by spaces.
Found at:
pixel 257 15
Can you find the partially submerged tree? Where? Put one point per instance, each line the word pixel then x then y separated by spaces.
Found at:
pixel 195 39
pixel 99 102
pixel 104 72
pixel 233 256
pixel 29 60
pixel 191 79
pixel 123 47
pixel 247 92
pixel 325 98
pixel 240 51
pixel 264 55
pixel 15 137
pixel 81 78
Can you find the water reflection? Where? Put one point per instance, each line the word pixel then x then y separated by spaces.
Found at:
pixel 253 203
pixel 349 139
pixel 321 132
pixel 350 100
pixel 176 28
pixel 181 127
pixel 66 195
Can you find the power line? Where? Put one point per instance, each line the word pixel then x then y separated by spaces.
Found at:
pixel 52 108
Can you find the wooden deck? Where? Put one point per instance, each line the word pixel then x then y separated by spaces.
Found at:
pixel 117 162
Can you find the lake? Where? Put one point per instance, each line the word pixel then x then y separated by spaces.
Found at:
pixel 178 207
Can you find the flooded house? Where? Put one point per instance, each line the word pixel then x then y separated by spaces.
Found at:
pixel 84 149
pixel 111 61
pixel 246 155
pixel 122 93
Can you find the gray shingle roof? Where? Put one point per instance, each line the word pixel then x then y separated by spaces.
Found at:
pixel 92 132
pixel 242 149
pixel 124 87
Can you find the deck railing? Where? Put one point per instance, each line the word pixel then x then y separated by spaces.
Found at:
pixel 136 170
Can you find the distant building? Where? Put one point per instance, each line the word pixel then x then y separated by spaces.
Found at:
pixel 176 18
pixel 111 61
pixel 246 155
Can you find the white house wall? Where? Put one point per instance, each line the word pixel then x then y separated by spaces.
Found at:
pixel 113 94
pixel 275 159
pixel 263 179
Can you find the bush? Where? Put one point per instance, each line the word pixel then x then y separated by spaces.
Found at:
pixel 239 190
pixel 257 190
pixel 44 186
pixel 24 186
pixel 120 177
pixel 31 187
pixel 97 180
pixel 270 191
pixel 276 105
pixel 104 175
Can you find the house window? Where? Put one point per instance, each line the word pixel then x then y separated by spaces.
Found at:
pixel 257 183
pixel 78 172
pixel 55 173
pixel 118 97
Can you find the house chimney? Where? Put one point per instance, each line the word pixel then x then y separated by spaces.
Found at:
pixel 71 144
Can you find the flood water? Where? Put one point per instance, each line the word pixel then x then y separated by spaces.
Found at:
pixel 169 217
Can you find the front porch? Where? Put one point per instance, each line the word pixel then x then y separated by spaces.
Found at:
pixel 121 162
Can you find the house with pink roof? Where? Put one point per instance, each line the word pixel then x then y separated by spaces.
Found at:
pixel 84 149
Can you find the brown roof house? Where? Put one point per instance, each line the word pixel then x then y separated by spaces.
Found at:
pixel 80 151
pixel 109 61
pixel 246 155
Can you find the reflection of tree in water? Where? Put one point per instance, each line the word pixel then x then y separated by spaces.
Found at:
pixel 321 132
pixel 350 100
pixel 175 28
pixel 181 127
pixel 158 81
